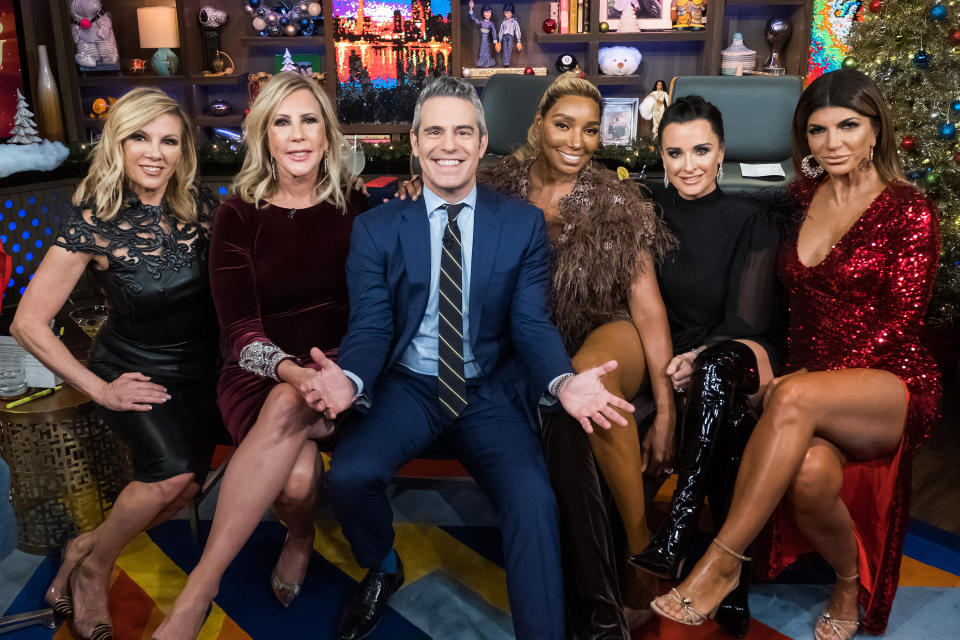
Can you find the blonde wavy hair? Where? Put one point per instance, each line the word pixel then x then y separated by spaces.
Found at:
pixel 255 184
pixel 566 84
pixel 103 187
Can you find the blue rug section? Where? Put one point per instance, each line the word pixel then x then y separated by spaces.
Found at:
pixel 31 599
pixel 919 613
pixel 933 546
pixel 246 597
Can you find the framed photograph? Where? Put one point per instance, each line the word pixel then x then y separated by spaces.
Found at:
pixel 385 54
pixel 619 123
pixel 13 66
pixel 631 16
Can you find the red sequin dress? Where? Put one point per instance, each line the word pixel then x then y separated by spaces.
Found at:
pixel 862 307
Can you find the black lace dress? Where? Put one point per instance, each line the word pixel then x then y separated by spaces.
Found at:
pixel 162 323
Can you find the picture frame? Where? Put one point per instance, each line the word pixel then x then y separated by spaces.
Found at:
pixel 13 65
pixel 618 126
pixel 648 15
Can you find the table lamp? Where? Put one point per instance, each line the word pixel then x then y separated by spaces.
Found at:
pixel 158 28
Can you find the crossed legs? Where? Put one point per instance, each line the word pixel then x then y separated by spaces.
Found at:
pixel 796 451
pixel 275 463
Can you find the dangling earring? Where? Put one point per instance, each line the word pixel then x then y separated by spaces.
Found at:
pixel 666 182
pixel 810 168
pixel 273 168
pixel 322 170
pixel 865 163
pixel 719 172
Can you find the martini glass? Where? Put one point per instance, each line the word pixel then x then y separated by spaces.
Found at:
pixel 90 319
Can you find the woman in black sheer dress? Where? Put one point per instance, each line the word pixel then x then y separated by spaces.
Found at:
pixel 718 289
pixel 142 225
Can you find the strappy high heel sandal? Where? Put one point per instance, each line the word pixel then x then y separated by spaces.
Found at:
pixel 59 597
pixel 690 616
pixel 841 628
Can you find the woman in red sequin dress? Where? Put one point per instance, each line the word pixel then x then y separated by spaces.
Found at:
pixel 830 458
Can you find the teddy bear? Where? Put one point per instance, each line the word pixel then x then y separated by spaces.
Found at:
pixel 93 34
pixel 619 61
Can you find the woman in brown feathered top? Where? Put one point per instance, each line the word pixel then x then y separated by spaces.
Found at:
pixel 606 239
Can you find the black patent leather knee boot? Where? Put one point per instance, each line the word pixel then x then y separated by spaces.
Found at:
pixel 733 616
pixel 719 373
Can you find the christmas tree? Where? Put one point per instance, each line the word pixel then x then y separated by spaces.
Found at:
pixel 288 63
pixel 24 128
pixel 910 49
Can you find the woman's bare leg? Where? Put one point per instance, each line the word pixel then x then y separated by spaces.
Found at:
pixel 823 519
pixel 296 506
pixel 257 473
pixel 617 450
pixel 137 507
pixel 861 411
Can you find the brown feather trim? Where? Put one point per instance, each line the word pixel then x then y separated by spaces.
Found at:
pixel 608 225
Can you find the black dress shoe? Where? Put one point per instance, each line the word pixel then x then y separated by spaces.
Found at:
pixel 368 603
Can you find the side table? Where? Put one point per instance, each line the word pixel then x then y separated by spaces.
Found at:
pixel 66 468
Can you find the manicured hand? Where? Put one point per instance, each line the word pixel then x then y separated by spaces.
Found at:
pixel 680 369
pixel 132 391
pixel 330 392
pixel 656 450
pixel 412 187
pixel 585 398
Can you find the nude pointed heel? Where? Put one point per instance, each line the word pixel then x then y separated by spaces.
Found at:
pixel 690 615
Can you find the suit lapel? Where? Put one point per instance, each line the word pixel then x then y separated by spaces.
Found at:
pixel 414 232
pixel 486 234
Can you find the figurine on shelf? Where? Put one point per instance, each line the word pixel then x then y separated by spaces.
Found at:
pixel 628 15
pixel 509 31
pixel 488 35
pixel 688 14
pixel 93 35
pixel 653 106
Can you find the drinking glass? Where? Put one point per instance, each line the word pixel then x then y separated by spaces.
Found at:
pixel 13 377
pixel 90 319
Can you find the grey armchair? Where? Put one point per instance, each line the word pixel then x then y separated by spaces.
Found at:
pixel 757 115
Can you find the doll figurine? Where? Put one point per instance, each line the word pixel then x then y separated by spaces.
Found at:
pixel 653 106
pixel 688 14
pixel 488 34
pixel 509 31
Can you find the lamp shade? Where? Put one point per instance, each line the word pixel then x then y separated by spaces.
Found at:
pixel 158 27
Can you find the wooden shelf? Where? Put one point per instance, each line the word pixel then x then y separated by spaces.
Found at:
pixel 101 80
pixel 282 41
pixel 232 78
pixel 622 80
pixel 614 36
pixel 765 2
pixel 232 120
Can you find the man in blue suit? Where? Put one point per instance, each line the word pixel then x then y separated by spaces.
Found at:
pixel 449 320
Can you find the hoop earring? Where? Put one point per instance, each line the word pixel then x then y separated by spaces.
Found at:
pixel 864 164
pixel 666 182
pixel 810 168
pixel 273 168
pixel 719 173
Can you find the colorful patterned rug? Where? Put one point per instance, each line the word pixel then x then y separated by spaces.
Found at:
pixel 455 584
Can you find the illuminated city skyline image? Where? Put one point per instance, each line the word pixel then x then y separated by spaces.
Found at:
pixel 385 52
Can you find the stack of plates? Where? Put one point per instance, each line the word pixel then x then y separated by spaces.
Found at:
pixel 737 55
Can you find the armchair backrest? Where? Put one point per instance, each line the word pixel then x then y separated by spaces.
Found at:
pixel 509 105
pixel 757 115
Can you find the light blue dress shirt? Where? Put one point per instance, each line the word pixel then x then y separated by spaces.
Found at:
pixel 421 354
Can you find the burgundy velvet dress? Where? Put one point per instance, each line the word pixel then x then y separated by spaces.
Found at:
pixel 863 307
pixel 278 278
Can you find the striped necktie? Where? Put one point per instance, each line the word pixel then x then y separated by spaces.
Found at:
pixel 452 387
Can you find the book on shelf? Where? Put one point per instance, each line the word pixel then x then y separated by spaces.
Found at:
pixel 580 16
pixel 555 12
pixel 564 16
pixel 573 16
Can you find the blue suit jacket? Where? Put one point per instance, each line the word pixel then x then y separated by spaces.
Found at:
pixel 388 276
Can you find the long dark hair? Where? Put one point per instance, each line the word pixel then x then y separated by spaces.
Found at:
pixel 853 90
